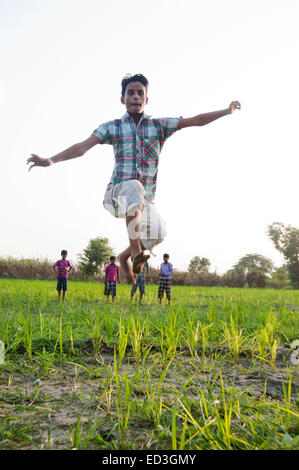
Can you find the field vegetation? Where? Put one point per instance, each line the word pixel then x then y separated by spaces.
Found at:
pixel 213 371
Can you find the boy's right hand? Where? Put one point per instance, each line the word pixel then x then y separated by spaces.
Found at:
pixel 38 161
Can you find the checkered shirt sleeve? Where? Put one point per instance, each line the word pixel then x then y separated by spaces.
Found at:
pixel 103 133
pixel 168 126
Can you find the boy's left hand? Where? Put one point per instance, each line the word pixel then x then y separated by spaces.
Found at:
pixel 234 106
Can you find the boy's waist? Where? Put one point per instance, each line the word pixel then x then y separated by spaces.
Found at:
pixel 150 188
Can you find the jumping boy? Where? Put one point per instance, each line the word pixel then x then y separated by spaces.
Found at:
pixel 62 267
pixel 111 277
pixel 137 141
pixel 165 274
pixel 140 282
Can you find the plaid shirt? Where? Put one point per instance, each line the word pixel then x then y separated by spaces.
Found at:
pixel 136 148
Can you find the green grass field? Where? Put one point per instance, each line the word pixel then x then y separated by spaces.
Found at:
pixel 211 372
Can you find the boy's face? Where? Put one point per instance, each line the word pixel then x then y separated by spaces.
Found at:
pixel 135 98
pixel 166 258
pixel 64 255
pixel 112 261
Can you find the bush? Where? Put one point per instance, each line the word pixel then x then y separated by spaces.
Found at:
pixel 234 278
pixel 278 279
pixel 256 279
pixel 31 269
pixel 182 278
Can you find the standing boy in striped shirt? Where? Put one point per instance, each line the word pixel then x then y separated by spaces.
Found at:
pixel 137 141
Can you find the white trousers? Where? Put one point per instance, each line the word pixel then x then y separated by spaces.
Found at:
pixel 122 198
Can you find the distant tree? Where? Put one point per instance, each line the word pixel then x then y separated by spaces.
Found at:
pixel 286 240
pixel 234 278
pixel 199 265
pixel 255 263
pixel 278 278
pixel 95 255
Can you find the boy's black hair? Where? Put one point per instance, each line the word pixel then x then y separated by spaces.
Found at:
pixel 166 255
pixel 112 258
pixel 132 78
pixel 63 252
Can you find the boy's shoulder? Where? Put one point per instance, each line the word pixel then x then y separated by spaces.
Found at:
pixel 63 261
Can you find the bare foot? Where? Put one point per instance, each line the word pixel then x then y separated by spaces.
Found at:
pixel 139 261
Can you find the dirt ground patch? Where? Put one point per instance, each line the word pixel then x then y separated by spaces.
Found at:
pixel 77 397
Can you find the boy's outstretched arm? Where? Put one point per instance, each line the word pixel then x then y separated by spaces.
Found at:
pixel 74 151
pixel 206 118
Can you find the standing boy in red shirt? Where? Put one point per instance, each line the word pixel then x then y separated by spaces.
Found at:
pixel 111 277
pixel 62 267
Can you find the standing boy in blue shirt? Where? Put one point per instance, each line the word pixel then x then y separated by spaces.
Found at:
pixel 166 271
pixel 140 282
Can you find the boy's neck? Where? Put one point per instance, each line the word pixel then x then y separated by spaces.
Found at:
pixel 136 117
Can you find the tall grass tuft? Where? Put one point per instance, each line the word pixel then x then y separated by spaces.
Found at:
pixel 233 338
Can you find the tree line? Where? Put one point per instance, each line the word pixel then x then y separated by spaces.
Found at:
pixel 252 270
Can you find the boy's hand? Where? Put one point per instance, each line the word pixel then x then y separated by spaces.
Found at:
pixel 38 161
pixel 234 106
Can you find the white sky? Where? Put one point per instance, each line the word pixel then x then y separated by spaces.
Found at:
pixel 219 186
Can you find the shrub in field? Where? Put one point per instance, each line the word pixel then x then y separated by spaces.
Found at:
pixel 234 278
pixel 255 279
pixel 181 278
pixel 26 268
pixel 278 279
pixel 207 279
pixel 41 269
